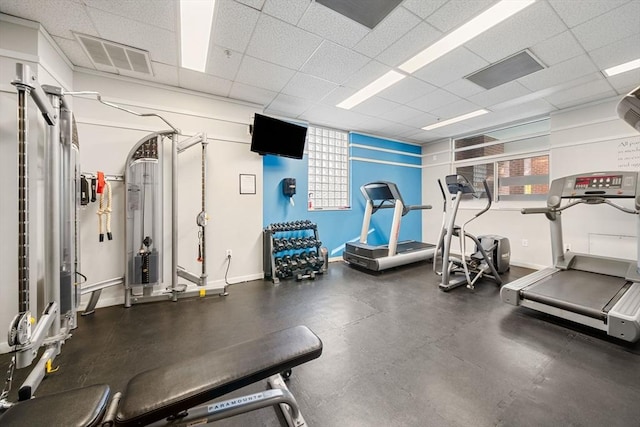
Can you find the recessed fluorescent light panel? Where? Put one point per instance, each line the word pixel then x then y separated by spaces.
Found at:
pixel 481 23
pixel 196 19
pixel 456 119
pixel 627 66
pixel 371 89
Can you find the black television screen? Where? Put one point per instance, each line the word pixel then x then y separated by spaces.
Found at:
pixel 273 136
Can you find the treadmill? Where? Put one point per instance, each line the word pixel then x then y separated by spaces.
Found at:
pixel 385 195
pixel 599 292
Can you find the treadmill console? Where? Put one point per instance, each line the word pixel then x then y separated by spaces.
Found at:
pixel 597 184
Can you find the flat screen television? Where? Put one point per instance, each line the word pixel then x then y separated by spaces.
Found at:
pixel 273 136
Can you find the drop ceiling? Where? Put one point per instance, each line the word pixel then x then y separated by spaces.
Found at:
pixel 298 58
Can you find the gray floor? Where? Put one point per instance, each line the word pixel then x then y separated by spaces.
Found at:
pixel 397 352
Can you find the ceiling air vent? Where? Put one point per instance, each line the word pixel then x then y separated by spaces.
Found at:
pixel 369 14
pixel 511 68
pixel 114 57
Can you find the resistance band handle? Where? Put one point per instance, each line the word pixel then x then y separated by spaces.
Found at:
pixel 94 181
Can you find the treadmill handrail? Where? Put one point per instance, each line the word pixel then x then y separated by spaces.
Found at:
pixel 588 201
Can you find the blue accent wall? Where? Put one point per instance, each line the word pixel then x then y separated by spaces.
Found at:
pixel 337 227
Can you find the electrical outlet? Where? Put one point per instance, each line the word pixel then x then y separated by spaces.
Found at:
pixel 228 253
pixel 525 242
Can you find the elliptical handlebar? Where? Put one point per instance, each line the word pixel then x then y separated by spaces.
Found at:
pixel 489 197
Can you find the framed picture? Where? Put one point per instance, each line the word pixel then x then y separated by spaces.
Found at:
pixel 247 183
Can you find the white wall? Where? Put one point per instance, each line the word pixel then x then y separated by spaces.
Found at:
pixel 582 140
pixel 106 136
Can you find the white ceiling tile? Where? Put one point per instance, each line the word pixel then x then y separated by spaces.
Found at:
pixel 250 93
pixel 331 25
pixel 337 95
pixel 280 43
pixel 201 82
pixel 58 17
pixel 559 73
pixel 423 8
pixel 528 27
pixel 625 82
pixel 455 13
pixel 454 65
pixel 74 52
pixel 433 100
pixel 256 72
pixel 610 27
pixel 256 4
pixel 161 44
pixel 499 94
pixel 394 130
pixel 534 108
pixel 288 10
pixel 617 53
pixel 223 62
pixel 581 95
pixel 163 73
pixel 334 63
pixel 418 121
pixel 227 30
pixel 367 74
pixel 408 45
pixel 333 117
pixel 157 13
pixel 402 113
pixel 394 26
pixel 308 87
pixel 288 106
pixel 557 49
pixel 463 88
pixel 455 109
pixel 375 106
pixel 407 90
pixel 573 14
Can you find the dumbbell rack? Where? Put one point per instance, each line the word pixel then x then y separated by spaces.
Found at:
pixel 292 249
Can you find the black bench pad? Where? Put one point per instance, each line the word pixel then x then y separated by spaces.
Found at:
pixel 82 407
pixel 158 393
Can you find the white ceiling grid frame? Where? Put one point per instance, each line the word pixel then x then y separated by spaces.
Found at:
pixel 288 106
pixel 450 67
pixel 163 73
pixel 256 72
pixel 599 89
pixel 617 53
pixel 587 10
pixel 407 90
pixel 48 14
pixel 308 87
pixel 195 80
pixel 437 98
pixel 160 43
pixel 463 88
pixel 366 75
pixel 226 32
pixel 402 113
pixel 557 49
pixel 499 94
pixel 223 62
pixel 256 4
pixel 375 106
pixel 157 13
pixel 454 109
pixel 329 24
pixel 281 43
pixel 423 8
pixel 534 24
pixel 608 28
pixel 395 25
pixel 417 121
pixel 290 11
pixel 334 62
pixel 408 45
pixel 560 73
pixel 455 13
pixel 251 93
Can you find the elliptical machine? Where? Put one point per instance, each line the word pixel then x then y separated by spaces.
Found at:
pixel 492 253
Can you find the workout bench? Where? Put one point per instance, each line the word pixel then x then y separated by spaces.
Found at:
pixel 181 394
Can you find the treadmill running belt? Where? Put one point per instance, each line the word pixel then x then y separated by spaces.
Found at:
pixel 590 290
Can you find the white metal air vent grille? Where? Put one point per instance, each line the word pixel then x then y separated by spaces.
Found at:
pixel 509 69
pixel 114 57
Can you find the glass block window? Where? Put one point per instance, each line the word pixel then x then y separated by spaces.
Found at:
pixel 328 153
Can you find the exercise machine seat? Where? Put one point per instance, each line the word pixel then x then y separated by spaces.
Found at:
pixel 158 393
pixel 81 407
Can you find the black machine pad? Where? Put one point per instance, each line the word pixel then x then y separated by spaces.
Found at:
pixel 81 407
pixel 158 393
